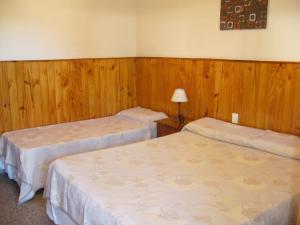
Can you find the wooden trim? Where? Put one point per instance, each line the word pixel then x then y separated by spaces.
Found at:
pixel 220 59
pixel 152 57
pixel 60 60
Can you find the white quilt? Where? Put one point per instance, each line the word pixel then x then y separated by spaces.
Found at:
pixel 181 179
pixel 26 154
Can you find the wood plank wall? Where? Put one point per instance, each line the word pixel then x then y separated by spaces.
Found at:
pixel 266 95
pixel 49 92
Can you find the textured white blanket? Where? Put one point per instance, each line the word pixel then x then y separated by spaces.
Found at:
pixel 181 179
pixel 26 154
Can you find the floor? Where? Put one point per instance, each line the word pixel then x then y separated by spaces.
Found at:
pixel 30 213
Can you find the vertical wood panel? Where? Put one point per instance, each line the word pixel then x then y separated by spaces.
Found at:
pixel 143 85
pixel 13 95
pixel 248 86
pixel 4 87
pixel 1 101
pixel 36 93
pixel 51 77
pixel 296 103
pixel 266 95
pixel 127 77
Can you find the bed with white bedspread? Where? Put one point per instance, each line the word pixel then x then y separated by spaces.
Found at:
pixel 26 154
pixel 212 173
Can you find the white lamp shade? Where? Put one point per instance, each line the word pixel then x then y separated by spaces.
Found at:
pixel 179 95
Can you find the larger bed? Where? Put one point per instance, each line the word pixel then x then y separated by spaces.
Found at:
pixel 211 173
pixel 26 154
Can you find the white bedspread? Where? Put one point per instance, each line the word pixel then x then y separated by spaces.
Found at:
pixel 26 154
pixel 181 179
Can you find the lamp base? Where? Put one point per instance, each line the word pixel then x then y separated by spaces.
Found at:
pixel 180 118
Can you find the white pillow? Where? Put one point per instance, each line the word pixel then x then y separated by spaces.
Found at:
pixel 142 114
pixel 268 141
pixel 278 143
pixel 223 131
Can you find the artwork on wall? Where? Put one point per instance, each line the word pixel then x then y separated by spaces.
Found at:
pixel 243 14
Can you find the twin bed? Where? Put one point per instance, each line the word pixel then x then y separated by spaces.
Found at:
pixel 210 173
pixel 26 154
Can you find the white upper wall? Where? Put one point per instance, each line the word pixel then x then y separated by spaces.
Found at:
pixel 190 28
pixel 60 29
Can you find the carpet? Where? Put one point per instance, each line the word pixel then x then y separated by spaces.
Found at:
pixel 31 213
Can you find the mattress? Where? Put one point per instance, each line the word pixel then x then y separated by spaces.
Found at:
pixel 26 154
pixel 181 179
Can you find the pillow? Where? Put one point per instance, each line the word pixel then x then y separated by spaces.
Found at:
pixel 223 131
pixel 142 114
pixel 278 143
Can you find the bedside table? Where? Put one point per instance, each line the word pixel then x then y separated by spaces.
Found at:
pixel 169 126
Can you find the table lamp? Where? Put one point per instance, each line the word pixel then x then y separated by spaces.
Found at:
pixel 179 97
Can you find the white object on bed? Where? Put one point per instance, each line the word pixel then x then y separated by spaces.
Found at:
pixel 182 178
pixel 278 143
pixel 26 154
pixel 144 115
pixel 266 140
pixel 223 131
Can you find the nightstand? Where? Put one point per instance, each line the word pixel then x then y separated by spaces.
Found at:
pixel 169 126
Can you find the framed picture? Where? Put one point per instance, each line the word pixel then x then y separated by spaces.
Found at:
pixel 243 14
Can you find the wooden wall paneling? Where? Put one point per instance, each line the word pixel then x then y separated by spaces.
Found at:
pixel 274 92
pixel 109 87
pixel 188 82
pixel 212 83
pixel 127 77
pixel 261 71
pixel 44 93
pixel 226 90
pixel 203 90
pixel 116 87
pixel 101 93
pixel 265 94
pixel 58 88
pixel 169 87
pixel 161 84
pixel 85 68
pixel 25 89
pixel 4 89
pixel 52 104
pixel 290 94
pixel 296 103
pixel 236 89
pixel 143 82
pixel 157 87
pixel 76 91
pixel 36 93
pixel 281 94
pixel 94 92
pixel 66 85
pixel 12 94
pixel 1 99
pixel 286 108
pixel 248 87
